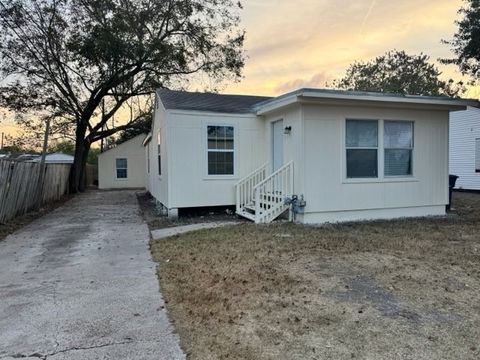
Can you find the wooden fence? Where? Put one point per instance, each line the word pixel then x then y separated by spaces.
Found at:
pixel 18 186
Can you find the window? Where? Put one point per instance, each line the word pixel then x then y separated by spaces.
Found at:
pixel 362 148
pixel 121 168
pixel 220 149
pixel 477 155
pixel 159 141
pixel 398 143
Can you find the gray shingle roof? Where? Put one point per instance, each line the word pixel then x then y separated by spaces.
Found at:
pixel 184 100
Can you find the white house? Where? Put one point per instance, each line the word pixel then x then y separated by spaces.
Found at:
pixel 123 166
pixel 326 155
pixel 465 148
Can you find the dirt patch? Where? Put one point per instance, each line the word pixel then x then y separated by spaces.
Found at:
pixel 20 221
pixel 406 289
pixel 156 221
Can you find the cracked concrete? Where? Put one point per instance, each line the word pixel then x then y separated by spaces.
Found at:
pixel 79 283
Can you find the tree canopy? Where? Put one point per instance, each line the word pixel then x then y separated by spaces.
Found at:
pixel 400 73
pixel 466 41
pixel 78 62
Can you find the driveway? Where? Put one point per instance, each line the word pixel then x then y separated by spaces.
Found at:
pixel 79 283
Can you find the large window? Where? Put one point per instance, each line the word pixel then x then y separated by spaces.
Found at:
pixel 477 155
pixel 121 167
pixel 362 148
pixel 159 152
pixel 398 143
pixel 220 149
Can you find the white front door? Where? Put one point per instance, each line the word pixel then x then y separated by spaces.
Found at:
pixel 277 144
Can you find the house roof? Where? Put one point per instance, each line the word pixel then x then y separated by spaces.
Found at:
pixel 246 104
pixel 184 100
pixel 56 158
pixel 329 95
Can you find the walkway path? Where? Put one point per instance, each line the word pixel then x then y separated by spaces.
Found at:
pixel 79 283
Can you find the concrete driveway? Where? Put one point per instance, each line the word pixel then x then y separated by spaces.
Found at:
pixel 79 283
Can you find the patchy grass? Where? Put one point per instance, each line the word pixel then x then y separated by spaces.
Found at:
pixel 20 221
pixel 406 289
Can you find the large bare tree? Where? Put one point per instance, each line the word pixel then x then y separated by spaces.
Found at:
pixel 78 62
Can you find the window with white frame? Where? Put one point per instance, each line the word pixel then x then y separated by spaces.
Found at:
pixel 362 148
pixel 121 167
pixel 220 150
pixel 398 145
pixel 477 155
pixel 159 152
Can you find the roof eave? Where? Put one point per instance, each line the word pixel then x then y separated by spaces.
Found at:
pixel 304 96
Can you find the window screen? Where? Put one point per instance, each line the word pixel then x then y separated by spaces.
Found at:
pixel 121 168
pixel 398 143
pixel 220 145
pixel 362 148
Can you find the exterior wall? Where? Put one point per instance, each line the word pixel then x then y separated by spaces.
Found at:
pixel 158 184
pixel 134 152
pixel 190 184
pixel 464 129
pixel 293 149
pixel 330 196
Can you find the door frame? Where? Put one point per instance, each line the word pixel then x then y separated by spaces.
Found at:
pixel 272 146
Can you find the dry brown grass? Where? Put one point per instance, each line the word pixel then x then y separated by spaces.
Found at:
pixel 406 289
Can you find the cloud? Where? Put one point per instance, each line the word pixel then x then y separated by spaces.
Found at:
pixel 317 81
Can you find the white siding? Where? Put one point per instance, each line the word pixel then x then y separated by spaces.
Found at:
pixel 464 130
pixel 329 195
pixel 184 181
pixel 158 184
pixel 131 150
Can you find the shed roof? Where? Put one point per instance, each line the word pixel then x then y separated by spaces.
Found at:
pixel 222 103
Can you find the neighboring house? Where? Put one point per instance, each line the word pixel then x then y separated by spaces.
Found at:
pixel 465 148
pixel 56 158
pixel 336 155
pixel 123 166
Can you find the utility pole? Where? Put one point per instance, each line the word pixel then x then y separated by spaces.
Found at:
pixel 1 147
pixel 41 176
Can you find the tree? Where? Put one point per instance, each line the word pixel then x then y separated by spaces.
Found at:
pixel 66 147
pixel 466 41
pixel 78 62
pixel 399 73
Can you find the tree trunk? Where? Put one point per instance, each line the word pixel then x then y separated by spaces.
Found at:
pixel 77 171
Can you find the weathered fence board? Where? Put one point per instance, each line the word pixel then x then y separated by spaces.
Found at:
pixel 18 186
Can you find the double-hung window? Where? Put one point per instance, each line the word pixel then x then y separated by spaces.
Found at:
pixel 362 148
pixel 398 144
pixel 121 168
pixel 220 150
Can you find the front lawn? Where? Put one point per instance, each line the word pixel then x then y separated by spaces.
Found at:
pixel 407 289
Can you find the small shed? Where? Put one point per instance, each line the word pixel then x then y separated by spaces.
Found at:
pixel 123 166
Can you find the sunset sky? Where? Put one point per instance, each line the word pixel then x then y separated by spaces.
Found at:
pixel 292 44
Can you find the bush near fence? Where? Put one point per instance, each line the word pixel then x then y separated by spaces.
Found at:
pixel 18 186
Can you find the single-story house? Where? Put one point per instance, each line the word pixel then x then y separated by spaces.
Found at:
pixel 56 158
pixel 465 148
pixel 324 155
pixel 123 166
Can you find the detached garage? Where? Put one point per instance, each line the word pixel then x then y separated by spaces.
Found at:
pixel 123 166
